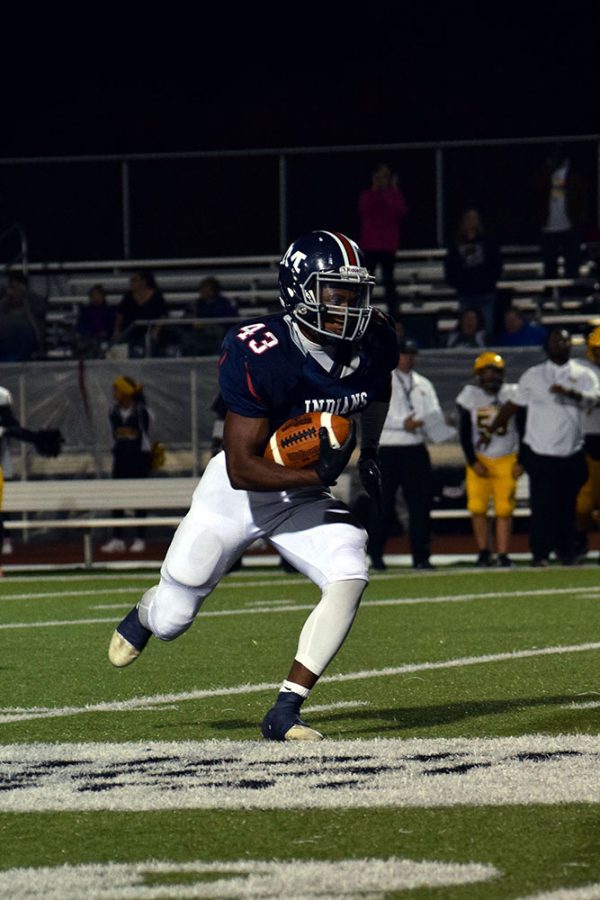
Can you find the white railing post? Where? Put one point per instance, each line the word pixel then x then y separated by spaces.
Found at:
pixel 439 196
pixel 126 209
pixel 194 421
pixel 283 236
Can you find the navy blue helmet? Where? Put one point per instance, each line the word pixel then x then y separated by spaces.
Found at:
pixel 324 285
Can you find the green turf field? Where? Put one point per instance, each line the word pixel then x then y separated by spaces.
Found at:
pixel 461 760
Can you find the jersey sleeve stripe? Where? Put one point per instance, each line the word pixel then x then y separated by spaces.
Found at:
pixel 251 387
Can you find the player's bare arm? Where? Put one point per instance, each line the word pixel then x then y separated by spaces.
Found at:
pixel 244 442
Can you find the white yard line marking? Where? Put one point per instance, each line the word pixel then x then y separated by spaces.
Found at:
pixel 49 595
pixel 592 704
pixel 327 707
pixel 248 578
pixel 57 623
pixel 587 592
pixel 9 714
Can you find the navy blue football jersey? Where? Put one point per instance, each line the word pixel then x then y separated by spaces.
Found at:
pixel 264 373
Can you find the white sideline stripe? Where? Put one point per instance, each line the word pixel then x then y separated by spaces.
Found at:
pixel 342 704
pixel 18 714
pixel 593 704
pixel 48 595
pixel 265 578
pixel 293 607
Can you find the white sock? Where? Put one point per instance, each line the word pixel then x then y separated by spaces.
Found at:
pixel 326 628
pixel 290 687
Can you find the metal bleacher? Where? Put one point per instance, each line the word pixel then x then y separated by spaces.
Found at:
pixel 425 300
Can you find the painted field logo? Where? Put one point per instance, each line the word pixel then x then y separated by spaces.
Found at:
pixel 248 878
pixel 228 774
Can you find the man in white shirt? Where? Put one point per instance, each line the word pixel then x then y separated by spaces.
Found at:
pixel 404 460
pixel 491 475
pixel 557 393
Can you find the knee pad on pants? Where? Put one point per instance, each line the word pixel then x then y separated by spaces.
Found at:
pixel 170 607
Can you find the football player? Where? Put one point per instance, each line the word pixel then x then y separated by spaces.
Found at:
pixel 557 394
pixel 330 351
pixel 588 499
pixel 492 474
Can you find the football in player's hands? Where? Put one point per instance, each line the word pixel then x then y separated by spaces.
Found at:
pixel 296 443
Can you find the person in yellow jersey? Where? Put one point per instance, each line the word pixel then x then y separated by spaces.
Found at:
pixel 491 475
pixel 558 395
pixel 588 499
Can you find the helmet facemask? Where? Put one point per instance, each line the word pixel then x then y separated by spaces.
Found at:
pixel 491 379
pixel 336 305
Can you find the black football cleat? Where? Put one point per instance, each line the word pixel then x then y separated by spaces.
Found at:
pixel 128 640
pixel 282 722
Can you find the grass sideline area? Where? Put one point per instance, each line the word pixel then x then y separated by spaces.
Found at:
pixel 462 724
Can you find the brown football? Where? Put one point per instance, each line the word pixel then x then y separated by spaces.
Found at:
pixel 295 444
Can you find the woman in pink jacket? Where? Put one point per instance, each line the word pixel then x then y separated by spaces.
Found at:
pixel 382 208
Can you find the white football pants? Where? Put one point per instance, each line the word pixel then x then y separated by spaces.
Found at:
pixel 312 530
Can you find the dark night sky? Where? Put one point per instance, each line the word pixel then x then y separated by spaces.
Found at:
pixel 311 77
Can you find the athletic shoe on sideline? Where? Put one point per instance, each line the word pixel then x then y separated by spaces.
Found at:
pixel 138 546
pixel 128 640
pixel 505 562
pixel 484 560
pixel 115 545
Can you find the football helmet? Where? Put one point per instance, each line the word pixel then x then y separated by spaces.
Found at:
pixel 489 358
pixel 593 343
pixel 313 270
pixel 489 371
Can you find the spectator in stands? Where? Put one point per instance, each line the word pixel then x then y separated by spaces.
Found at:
pixel 402 332
pixel 472 266
pixel 22 321
pixel 382 210
pixel 95 323
pixel 519 331
pixel 143 300
pixel 210 304
pixel 557 394
pixel 132 450
pixel 561 199
pixel 469 330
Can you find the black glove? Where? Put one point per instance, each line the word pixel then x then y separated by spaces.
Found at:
pixel 370 476
pixel 333 462
pixel 48 441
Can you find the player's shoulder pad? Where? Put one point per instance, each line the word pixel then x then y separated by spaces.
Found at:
pixel 380 338
pixel 466 395
pixel 252 339
pixel 5 397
